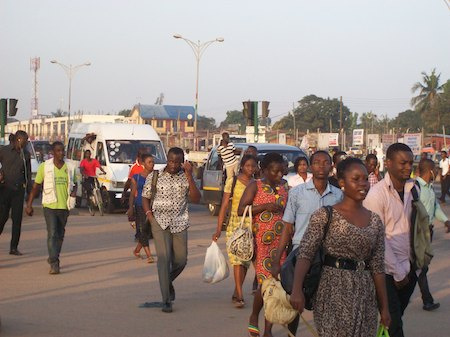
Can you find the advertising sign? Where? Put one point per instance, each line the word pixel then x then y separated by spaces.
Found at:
pixel 387 140
pixel 414 141
pixel 333 139
pixel 358 137
pixel 373 141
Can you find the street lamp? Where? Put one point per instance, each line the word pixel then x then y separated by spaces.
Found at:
pixel 70 72
pixel 198 49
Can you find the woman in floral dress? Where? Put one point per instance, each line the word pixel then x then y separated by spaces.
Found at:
pixel 268 198
pixel 352 286
pixel 248 167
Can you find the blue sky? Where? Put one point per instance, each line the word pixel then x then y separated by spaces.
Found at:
pixel 369 52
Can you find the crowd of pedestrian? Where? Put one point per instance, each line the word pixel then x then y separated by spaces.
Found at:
pixel 365 224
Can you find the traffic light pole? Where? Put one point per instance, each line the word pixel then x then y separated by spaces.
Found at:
pixel 256 120
pixel 3 116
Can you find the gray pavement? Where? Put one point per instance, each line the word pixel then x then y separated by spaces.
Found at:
pixel 102 285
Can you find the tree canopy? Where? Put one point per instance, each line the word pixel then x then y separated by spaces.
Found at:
pixel 315 112
pixel 205 123
pixel 234 117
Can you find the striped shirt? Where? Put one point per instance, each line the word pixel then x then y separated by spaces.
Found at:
pixel 373 179
pixel 227 154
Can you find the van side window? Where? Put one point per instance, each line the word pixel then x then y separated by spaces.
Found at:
pixel 70 148
pixel 77 149
pixel 100 154
pixel 215 162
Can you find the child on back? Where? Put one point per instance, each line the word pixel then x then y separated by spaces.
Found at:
pixel 227 150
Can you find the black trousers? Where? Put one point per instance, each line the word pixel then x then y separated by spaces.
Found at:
pixel 445 187
pixel 398 301
pixel 11 202
pixel 423 280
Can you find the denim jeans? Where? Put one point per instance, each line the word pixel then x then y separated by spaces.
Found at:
pixel 171 251
pixel 56 220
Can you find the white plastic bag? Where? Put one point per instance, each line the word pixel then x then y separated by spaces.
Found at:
pixel 215 268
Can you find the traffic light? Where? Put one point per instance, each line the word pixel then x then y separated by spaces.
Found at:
pixel 265 109
pixel 12 107
pixel 3 115
pixel 249 112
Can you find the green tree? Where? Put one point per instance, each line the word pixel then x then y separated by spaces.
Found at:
pixel 205 123
pixel 234 117
pixel 314 113
pixel 409 120
pixel 59 113
pixel 426 102
pixel 444 107
pixel 125 113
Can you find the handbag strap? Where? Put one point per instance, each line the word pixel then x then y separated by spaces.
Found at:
pixel 248 209
pixel 153 187
pixel 329 210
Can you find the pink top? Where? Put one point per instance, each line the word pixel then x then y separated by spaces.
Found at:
pixel 385 201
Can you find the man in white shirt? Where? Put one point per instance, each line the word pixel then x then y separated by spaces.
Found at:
pixel 444 165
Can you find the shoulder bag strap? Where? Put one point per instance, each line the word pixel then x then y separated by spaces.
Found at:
pixel 246 210
pixel 233 186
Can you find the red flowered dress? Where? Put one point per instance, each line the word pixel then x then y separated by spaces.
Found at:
pixel 267 227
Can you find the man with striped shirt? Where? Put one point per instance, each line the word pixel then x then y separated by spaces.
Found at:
pixel 227 153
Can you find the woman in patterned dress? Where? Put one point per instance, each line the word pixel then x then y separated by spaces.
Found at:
pixel 353 279
pixel 248 167
pixel 268 198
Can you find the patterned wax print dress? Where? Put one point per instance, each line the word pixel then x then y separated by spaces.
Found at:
pixel 267 227
pixel 235 220
pixel 345 303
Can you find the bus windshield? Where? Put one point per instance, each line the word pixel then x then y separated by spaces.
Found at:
pixel 125 151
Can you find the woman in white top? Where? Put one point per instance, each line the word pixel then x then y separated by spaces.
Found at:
pixel 302 175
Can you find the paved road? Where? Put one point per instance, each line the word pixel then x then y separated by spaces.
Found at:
pixel 102 285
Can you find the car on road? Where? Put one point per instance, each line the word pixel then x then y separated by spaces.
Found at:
pixel 40 151
pixel 213 175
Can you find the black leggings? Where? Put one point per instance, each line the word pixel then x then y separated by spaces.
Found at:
pixel 141 221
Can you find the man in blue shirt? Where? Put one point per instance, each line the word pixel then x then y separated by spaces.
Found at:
pixel 304 200
pixel 428 199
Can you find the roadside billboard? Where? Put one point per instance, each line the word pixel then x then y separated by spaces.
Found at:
pixel 414 141
pixel 327 140
pixel 358 137
pixel 373 141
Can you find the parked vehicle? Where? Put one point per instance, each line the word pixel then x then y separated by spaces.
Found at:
pixel 115 146
pixel 212 178
pixel 40 151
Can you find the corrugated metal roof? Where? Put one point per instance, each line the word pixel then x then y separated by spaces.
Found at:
pixel 165 111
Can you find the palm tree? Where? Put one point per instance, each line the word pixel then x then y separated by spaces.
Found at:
pixel 429 94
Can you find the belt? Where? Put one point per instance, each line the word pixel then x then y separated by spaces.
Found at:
pixel 341 263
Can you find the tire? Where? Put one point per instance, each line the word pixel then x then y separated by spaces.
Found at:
pixel 108 206
pixel 98 195
pixel 214 209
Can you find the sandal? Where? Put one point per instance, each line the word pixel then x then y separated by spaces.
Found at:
pixel 150 259
pixel 239 303
pixel 137 254
pixel 253 331
pixel 234 299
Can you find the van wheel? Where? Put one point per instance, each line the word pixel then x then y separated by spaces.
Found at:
pixel 214 209
pixel 108 206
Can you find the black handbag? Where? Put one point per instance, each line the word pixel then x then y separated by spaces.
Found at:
pixel 312 278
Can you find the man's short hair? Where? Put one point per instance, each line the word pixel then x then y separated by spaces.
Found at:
pixel 443 151
pixel 397 147
pixel 176 151
pixel 425 164
pixel 371 156
pixel 337 155
pixel 145 156
pixel 21 133
pixel 317 153
pixel 225 134
pixel 58 143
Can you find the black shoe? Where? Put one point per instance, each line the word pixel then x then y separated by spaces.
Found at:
pixel 167 307
pixel 15 252
pixel 172 293
pixel 54 269
pixel 431 306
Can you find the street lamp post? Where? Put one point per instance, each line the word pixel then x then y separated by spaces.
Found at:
pixel 70 72
pixel 198 49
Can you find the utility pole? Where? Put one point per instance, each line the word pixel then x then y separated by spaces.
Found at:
pixel 293 115
pixel 341 131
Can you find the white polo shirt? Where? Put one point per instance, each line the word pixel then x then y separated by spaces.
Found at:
pixel 443 165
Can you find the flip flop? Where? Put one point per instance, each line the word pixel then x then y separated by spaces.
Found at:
pixel 150 259
pixel 253 331
pixel 239 303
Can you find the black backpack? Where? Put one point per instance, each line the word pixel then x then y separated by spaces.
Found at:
pixel 312 278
